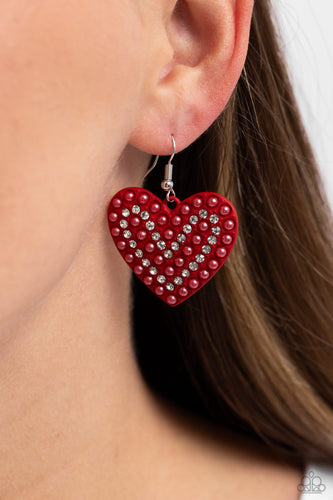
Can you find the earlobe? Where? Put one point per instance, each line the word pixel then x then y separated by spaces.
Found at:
pixel 209 42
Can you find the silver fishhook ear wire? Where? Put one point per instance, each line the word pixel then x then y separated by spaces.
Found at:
pixel 152 167
pixel 167 183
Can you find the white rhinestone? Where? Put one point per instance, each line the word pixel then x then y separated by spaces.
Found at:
pixel 123 224
pixel 144 215
pixel 127 234
pixel 203 214
pixel 214 219
pixel 174 246
pixel 212 240
pixel 161 279
pixel 206 249
pixel 153 271
pixel 125 212
pixel 178 280
pixel 145 262
pixel 193 266
pixel 150 225
pixel 168 254
pixel 185 273
pixel 216 230
pixel 132 244
pixel 161 245
pixel 136 209
pixel 187 228
pixel 155 236
pixel 139 253
pixel 170 287
pixel 200 258
pixel 181 238
pixel 194 219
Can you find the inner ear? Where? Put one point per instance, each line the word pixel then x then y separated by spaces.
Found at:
pixel 185 35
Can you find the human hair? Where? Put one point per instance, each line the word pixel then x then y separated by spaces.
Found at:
pixel 253 350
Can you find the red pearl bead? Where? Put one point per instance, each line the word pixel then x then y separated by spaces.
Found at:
pixel 129 196
pixel 197 202
pixel 135 221
pixel 179 262
pixel 168 234
pixel 121 245
pixel 155 207
pixel 187 251
pixel 138 270
pixel 171 300
pixel 213 264
pixel 159 290
pixel 141 235
pixel 227 239
pixel 158 259
pixel 129 257
pixel 150 247
pixel 148 280
pixel 162 220
pixel 225 210
pixel 221 252
pixel 193 283
pixel 143 198
pixel 115 231
pixel 185 209
pixel 203 226
pixel 196 239
pixel 169 271
pixel 204 274
pixel 183 292
pixel 113 217
pixel 176 220
pixel 229 225
pixel 212 201
pixel 116 202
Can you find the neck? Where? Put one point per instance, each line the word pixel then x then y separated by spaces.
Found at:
pixel 69 381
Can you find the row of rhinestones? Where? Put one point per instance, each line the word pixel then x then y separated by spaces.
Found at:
pixel 181 238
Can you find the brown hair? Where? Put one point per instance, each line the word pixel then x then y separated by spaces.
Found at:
pixel 253 350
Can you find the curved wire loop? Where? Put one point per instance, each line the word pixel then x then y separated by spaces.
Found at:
pixel 157 157
pixel 167 183
pixel 172 193
pixel 152 167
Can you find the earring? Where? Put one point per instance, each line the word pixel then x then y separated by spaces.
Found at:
pixel 173 251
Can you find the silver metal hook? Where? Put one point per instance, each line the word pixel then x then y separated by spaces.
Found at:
pixel 157 157
pixel 174 149
pixel 167 183
pixel 152 167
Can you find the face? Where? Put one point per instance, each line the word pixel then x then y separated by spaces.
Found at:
pixel 71 78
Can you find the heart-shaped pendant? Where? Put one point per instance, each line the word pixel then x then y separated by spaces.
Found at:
pixel 173 251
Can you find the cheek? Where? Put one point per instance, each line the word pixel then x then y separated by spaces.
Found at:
pixel 70 73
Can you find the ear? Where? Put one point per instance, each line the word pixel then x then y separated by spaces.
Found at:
pixel 206 43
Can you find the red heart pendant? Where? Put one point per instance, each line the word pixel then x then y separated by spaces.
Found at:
pixel 174 251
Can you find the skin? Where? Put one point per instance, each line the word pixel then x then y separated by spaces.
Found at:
pixel 88 92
